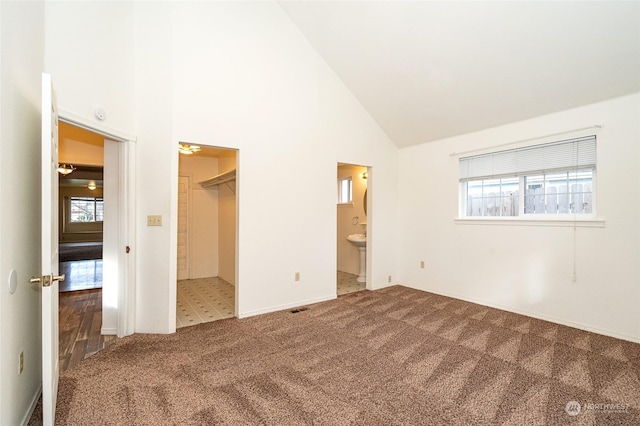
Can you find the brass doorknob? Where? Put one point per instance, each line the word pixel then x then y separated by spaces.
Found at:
pixel 46 280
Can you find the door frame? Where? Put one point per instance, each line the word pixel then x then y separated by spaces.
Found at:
pixel 369 220
pixel 189 176
pixel 127 229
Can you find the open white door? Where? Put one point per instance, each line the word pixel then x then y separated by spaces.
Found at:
pixel 49 278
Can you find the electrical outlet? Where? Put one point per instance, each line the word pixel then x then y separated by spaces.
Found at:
pixel 389 278
pixel 21 362
pixel 297 276
pixel 422 264
pixel 154 220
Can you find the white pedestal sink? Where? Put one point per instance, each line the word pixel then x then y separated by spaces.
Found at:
pixel 360 241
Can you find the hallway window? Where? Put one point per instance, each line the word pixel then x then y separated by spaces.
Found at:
pixel 86 209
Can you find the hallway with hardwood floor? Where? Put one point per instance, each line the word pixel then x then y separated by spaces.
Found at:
pixel 80 315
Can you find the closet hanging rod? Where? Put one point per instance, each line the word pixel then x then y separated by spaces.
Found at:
pixel 219 179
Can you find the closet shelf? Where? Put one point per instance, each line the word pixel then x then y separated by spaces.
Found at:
pixel 219 179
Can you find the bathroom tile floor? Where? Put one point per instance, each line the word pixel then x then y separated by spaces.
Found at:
pixel 204 300
pixel 347 283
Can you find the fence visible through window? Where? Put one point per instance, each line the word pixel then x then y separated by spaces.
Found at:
pixel 567 192
pixel 559 193
pixel 551 179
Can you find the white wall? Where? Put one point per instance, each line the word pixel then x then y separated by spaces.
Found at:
pixel 21 25
pixel 528 269
pixel 203 216
pixel 348 254
pixel 89 52
pixel 244 77
pixel 237 75
pixel 157 169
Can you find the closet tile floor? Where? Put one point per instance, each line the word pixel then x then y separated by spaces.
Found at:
pixel 204 300
pixel 210 299
pixel 347 283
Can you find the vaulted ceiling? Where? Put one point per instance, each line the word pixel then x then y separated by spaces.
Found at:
pixel 427 70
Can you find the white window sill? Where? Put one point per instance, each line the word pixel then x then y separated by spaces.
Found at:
pixel 517 221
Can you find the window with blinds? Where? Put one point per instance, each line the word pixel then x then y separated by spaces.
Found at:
pixel 550 179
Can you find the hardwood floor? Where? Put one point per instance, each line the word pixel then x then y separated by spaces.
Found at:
pixel 81 275
pixel 80 322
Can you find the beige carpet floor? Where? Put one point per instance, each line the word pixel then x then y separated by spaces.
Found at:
pixel 395 356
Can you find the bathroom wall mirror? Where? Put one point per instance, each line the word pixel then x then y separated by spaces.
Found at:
pixel 364 202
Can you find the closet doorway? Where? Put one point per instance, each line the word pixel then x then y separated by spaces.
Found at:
pixel 207 234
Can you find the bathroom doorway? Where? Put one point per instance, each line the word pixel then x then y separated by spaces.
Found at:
pixel 351 228
pixel 207 234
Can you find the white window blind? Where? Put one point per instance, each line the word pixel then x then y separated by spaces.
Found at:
pixel 578 153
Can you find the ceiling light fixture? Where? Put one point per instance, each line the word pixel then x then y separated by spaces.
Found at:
pixel 92 185
pixel 186 149
pixel 65 169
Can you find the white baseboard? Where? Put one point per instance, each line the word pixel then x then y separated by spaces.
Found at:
pixel 383 285
pixel 108 331
pixel 32 407
pixel 552 319
pixel 285 306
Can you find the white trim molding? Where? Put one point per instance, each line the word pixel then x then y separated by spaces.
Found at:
pixel 32 406
pixel 92 126
pixel 516 221
pixel 285 306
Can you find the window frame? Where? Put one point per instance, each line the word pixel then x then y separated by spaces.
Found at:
pixel 69 227
pixel 340 181
pixel 463 205
pixel 557 219
pixel 95 200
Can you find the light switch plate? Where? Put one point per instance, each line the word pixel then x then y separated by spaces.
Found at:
pixel 154 220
